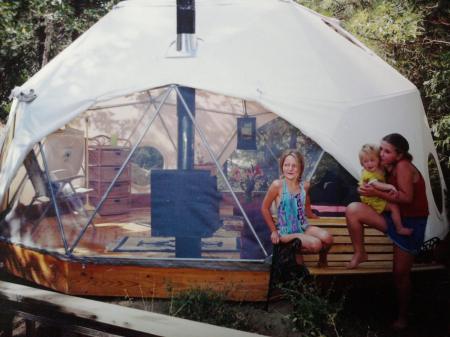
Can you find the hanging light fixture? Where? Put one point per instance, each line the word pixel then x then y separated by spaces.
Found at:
pixel 246 131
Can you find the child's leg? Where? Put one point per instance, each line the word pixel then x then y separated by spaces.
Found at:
pixel 290 237
pixel 396 218
pixel 326 240
pixel 310 244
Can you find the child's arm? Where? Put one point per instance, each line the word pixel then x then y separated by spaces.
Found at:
pixel 309 212
pixel 271 195
pixel 405 193
pixel 382 186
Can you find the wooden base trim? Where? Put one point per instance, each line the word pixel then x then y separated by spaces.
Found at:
pixel 90 279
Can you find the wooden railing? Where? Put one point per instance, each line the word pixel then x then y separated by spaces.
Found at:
pixel 94 318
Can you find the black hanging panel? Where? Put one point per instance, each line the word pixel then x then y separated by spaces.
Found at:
pixel 185 203
pixel 246 133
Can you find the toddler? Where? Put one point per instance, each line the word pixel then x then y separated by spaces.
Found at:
pixel 373 175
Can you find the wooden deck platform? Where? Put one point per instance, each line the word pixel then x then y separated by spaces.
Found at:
pixel 97 268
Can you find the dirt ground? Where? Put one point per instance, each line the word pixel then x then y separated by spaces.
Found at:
pixel 369 309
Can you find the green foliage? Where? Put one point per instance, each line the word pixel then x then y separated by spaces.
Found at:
pixel 208 306
pixel 441 131
pixel 272 139
pixel 148 158
pixel 437 91
pixel 341 9
pixel 34 31
pixel 315 309
pixel 385 24
pixel 435 182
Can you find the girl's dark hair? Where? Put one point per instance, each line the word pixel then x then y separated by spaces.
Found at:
pixel 400 144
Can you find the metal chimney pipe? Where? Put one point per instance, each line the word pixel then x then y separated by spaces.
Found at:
pixel 185 20
pixel 186 246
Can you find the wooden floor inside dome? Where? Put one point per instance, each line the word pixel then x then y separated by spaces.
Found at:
pixel 98 268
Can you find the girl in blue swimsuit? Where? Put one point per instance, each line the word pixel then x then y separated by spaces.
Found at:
pixel 291 197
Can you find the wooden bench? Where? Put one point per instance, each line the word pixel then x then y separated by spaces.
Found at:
pixel 95 318
pixel 378 246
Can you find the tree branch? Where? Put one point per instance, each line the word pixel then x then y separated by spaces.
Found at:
pixel 439 8
pixel 429 41
pixel 49 32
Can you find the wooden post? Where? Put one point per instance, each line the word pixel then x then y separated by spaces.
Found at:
pixel 6 326
pixel 30 328
pixel 49 331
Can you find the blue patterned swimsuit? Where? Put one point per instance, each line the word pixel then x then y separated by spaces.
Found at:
pixel 291 211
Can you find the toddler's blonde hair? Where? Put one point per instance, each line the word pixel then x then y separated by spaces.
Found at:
pixel 367 150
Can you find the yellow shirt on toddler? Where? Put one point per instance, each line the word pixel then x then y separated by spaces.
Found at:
pixel 376 203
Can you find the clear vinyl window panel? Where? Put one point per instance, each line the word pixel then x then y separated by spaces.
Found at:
pixel 110 183
pixel 435 181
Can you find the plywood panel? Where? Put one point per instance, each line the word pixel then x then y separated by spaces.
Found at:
pixel 34 266
pixel 136 281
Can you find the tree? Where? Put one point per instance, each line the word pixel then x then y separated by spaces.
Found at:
pixel 32 32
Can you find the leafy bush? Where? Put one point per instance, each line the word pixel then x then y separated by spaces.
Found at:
pixel 208 306
pixel 314 309
pixel 437 92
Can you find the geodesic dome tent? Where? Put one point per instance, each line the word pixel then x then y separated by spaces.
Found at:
pixel 108 107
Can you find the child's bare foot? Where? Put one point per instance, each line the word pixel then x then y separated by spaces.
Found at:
pixel 356 260
pixel 405 231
